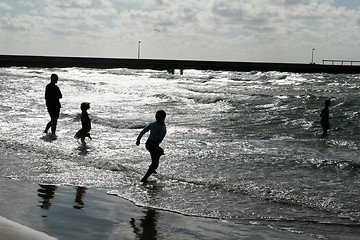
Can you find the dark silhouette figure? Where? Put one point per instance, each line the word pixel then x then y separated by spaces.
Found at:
pixel 147 224
pixel 85 122
pixel 325 117
pixel 171 71
pixel 157 133
pixel 52 96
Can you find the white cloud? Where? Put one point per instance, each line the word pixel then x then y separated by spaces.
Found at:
pixel 5 6
pixel 258 30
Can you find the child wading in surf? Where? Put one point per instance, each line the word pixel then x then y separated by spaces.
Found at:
pixel 325 117
pixel 85 122
pixel 157 133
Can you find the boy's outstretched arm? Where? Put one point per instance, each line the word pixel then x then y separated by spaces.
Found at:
pixel 147 128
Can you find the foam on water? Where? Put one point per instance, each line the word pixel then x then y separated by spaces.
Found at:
pixel 244 147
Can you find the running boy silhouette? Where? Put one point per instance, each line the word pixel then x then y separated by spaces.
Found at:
pixel 157 133
pixel 325 117
pixel 85 122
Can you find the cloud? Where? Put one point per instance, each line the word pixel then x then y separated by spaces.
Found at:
pixel 63 17
pixel 221 29
pixel 295 2
pixel 5 6
pixel 22 23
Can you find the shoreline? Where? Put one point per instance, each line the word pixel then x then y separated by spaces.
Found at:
pixel 169 65
pixel 77 212
pixel 68 212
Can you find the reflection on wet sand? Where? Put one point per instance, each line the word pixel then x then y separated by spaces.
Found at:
pixel 47 193
pixel 146 228
pixel 80 192
pixel 143 226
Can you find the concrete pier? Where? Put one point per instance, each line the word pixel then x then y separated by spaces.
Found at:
pixel 163 64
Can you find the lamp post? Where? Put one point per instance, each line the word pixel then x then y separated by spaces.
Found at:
pixel 312 55
pixel 139 49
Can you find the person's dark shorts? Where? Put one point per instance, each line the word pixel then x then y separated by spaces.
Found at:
pixel 155 152
pixel 54 112
pixel 153 148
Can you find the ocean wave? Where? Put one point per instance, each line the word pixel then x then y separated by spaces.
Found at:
pixel 206 100
pixel 163 96
pixel 116 123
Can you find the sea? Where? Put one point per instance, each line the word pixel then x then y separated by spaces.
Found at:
pixel 243 147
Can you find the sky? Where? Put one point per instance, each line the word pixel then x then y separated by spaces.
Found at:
pixel 215 30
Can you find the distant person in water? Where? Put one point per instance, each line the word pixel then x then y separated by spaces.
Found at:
pixel 52 96
pixel 85 122
pixel 157 133
pixel 325 117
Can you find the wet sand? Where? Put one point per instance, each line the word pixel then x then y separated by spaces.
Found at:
pixel 68 212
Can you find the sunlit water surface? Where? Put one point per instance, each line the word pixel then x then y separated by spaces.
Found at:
pixel 243 147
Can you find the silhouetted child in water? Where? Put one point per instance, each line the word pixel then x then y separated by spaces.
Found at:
pixel 325 117
pixel 85 122
pixel 157 133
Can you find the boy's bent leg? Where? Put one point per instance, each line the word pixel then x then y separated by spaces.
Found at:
pixel 154 161
pixel 148 173
pixel 155 155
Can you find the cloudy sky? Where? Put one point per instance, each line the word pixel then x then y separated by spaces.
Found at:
pixel 227 30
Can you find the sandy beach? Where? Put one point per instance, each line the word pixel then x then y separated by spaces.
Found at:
pixel 66 212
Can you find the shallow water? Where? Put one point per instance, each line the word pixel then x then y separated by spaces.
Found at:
pixel 244 147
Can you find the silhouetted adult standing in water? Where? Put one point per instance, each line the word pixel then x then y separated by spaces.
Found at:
pixel 52 97
pixel 325 117
pixel 157 133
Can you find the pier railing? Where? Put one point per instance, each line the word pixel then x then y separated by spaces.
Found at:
pixel 341 62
